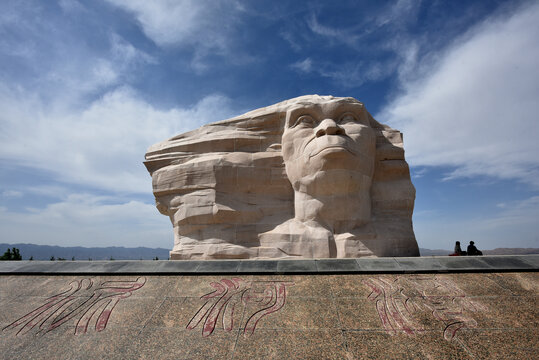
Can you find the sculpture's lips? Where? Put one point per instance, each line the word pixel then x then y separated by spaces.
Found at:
pixel 331 143
pixel 331 147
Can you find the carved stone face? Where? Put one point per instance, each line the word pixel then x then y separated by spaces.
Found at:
pixel 328 148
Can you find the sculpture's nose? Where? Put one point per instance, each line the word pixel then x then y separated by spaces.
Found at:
pixel 328 127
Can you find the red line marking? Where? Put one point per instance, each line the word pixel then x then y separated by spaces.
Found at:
pixel 280 300
pixel 76 301
pixel 195 320
pixel 380 307
pixel 103 318
pixel 445 303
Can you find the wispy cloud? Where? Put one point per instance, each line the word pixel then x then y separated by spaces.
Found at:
pixel 418 172
pixel 179 22
pixel 327 31
pixel 391 19
pixel 40 190
pixel 370 59
pixel 50 57
pixel 305 66
pixel 515 213
pixel 12 193
pixel 289 37
pixel 101 145
pixel 476 107
pixel 77 117
pixel 70 111
pixel 205 27
pixel 88 220
pixel 514 224
pixel 398 13
pixel 72 6
pixel 346 74
pixel 85 71
pixel 347 36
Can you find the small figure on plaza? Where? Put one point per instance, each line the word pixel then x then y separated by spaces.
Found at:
pixel 472 250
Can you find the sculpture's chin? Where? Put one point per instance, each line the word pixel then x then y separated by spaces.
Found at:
pixel 332 181
pixel 332 169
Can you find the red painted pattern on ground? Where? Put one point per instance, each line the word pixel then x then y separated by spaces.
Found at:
pixel 400 300
pixel 268 296
pixel 81 301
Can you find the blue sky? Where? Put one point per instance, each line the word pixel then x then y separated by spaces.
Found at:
pixel 87 86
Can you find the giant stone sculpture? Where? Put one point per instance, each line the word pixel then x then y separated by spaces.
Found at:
pixel 310 177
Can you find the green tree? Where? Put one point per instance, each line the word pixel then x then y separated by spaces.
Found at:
pixel 11 254
pixel 52 258
pixel 7 255
pixel 16 254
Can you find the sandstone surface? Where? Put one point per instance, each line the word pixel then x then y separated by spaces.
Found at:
pixel 310 177
pixel 487 315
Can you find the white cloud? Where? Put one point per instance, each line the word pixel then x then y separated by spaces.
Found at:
pixel 398 13
pixel 180 22
pixel 475 109
pixel 50 57
pixel 515 214
pixel 89 220
pixel 80 71
pixel 305 66
pixel 347 74
pixel 374 59
pixel 101 145
pixel 327 31
pixel 71 6
pixel 390 20
pixel 347 36
pixel 71 113
pixel 418 172
pixel 289 37
pixel 12 193
pixel 205 27
pixel 126 54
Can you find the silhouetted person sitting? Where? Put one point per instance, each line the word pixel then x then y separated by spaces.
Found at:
pixel 472 250
pixel 458 250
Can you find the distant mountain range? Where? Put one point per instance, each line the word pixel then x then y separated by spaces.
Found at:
pixel 497 251
pixel 45 252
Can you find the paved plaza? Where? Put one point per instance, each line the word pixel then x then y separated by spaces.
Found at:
pixel 420 308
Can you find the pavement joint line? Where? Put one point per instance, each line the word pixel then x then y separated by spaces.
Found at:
pixel 152 315
pixel 238 334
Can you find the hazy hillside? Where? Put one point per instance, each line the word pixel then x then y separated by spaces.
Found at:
pixel 511 251
pixel 497 251
pixel 435 252
pixel 44 252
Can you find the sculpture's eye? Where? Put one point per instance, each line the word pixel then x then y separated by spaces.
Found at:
pixel 347 118
pixel 305 120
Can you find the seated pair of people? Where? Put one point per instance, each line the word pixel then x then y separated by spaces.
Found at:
pixel 471 250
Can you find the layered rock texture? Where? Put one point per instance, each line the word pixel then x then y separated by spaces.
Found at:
pixel 310 177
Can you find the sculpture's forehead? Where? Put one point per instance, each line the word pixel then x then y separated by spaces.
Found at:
pixel 327 108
